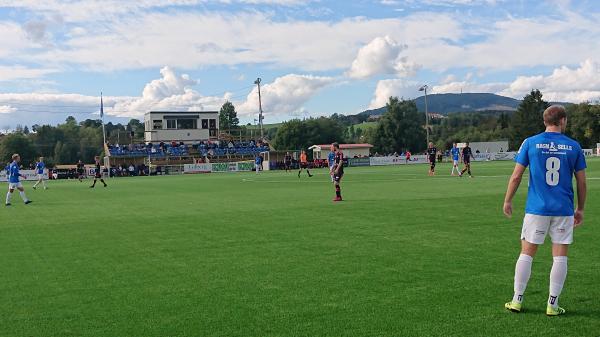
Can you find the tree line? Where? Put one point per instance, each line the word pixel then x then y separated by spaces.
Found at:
pixel 400 128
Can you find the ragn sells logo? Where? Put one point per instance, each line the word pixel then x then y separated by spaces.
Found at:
pixel 554 147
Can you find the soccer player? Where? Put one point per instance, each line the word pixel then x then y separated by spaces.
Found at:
pixel 303 164
pixel 97 173
pixel 80 170
pixel 407 154
pixel 331 162
pixel 14 180
pixel 338 171
pixel 287 160
pixel 258 162
pixel 455 152
pixel 553 159
pixel 467 154
pixel 39 168
pixel 431 153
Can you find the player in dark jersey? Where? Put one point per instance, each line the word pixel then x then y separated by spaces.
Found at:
pixel 337 171
pixel 431 153
pixel 467 154
pixel 97 173
pixel 80 170
pixel 287 161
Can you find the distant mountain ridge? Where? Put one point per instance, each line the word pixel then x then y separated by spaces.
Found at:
pixel 467 102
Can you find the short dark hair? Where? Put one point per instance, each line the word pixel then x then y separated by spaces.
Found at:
pixel 336 145
pixel 553 114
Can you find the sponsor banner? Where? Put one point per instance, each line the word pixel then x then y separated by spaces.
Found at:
pixel 379 161
pixel 30 175
pixel 219 167
pixel 245 166
pixel 416 159
pixel 197 168
pixel 588 152
pixel 359 161
pixel 504 155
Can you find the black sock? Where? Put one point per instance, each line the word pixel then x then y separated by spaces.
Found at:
pixel 338 191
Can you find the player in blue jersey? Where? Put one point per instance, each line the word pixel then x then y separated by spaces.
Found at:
pixel 455 152
pixel 258 163
pixel 331 161
pixel 553 159
pixel 39 169
pixel 14 180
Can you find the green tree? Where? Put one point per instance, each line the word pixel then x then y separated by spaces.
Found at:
pixel 301 134
pixel 17 143
pixel 400 127
pixel 228 117
pixel 584 123
pixel 527 120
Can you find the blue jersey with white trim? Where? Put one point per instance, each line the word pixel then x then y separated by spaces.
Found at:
pixel 40 167
pixel 331 158
pixel 552 158
pixel 455 153
pixel 13 173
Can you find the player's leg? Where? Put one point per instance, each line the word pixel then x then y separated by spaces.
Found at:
pixel 533 234
pixel 338 188
pixel 300 171
pixel 22 194
pixel 9 194
pixel 308 171
pixel 469 169
pixel 102 181
pixel 561 232
pixel 37 183
pixel 94 183
pixel 44 183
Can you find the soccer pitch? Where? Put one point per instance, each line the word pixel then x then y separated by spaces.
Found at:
pixel 271 255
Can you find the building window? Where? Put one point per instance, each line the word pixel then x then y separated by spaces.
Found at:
pixel 157 124
pixel 187 124
pixel 171 124
pixel 212 123
pixel 205 123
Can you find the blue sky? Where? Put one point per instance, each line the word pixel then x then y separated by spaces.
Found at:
pixel 315 57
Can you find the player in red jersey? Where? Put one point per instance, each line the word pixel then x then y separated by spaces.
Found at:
pixel 337 171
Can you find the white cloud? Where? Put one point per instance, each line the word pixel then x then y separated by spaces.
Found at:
pixel 564 84
pixel 393 87
pixel 9 73
pixel 5 109
pixel 381 56
pixel 465 86
pixel 285 95
pixel 192 39
pixel 172 91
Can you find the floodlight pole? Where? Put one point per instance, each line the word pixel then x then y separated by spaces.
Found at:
pixel 424 88
pixel 260 111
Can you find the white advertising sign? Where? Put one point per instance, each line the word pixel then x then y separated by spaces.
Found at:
pixel 30 175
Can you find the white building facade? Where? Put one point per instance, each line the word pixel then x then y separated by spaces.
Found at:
pixel 180 126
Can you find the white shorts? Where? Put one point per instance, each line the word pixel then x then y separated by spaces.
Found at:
pixel 40 176
pixel 455 162
pixel 12 186
pixel 535 228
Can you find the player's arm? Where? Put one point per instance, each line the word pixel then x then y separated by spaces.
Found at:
pixel 581 195
pixel 513 185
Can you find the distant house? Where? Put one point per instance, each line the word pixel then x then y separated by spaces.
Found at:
pixel 349 150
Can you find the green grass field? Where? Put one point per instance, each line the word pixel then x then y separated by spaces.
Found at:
pixel 271 255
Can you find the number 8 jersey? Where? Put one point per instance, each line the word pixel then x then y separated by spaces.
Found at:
pixel 552 158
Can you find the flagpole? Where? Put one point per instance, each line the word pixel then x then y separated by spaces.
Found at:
pixel 102 118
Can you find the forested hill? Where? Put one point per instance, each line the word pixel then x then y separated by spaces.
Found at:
pixel 467 102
